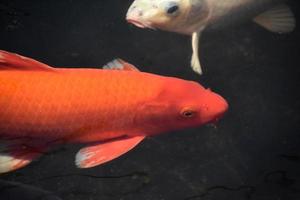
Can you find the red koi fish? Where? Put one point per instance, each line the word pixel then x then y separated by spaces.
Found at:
pixel 111 110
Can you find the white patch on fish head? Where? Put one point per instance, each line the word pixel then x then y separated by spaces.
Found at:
pixel 155 13
pixel 170 15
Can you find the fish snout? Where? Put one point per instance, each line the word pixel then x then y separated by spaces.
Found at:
pixel 214 108
pixel 135 16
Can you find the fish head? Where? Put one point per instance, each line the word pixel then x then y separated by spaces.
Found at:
pixel 182 104
pixel 182 16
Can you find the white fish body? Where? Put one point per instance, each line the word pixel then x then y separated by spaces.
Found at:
pixel 193 16
pixel 230 12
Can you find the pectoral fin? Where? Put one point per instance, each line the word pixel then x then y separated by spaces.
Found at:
pixel 280 19
pixel 103 152
pixel 195 61
pixel 15 154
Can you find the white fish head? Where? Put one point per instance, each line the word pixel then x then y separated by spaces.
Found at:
pixel 183 16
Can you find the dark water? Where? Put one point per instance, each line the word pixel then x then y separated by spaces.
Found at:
pixel 254 152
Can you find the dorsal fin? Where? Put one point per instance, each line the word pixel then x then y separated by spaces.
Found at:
pixel 14 61
pixel 119 64
pixel 279 19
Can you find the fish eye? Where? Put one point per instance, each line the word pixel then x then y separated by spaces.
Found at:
pixel 172 7
pixel 188 113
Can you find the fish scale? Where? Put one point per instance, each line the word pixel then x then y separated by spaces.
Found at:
pixel 229 12
pixel 67 96
pixel 110 110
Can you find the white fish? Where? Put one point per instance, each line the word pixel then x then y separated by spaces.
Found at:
pixel 193 16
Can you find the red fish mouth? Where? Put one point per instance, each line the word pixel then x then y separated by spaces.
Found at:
pixel 138 23
pixel 220 114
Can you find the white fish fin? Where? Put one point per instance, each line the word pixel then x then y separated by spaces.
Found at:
pixel 15 154
pixel 98 154
pixel 14 61
pixel 119 64
pixel 279 19
pixel 195 61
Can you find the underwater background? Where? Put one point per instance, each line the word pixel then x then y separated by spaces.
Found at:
pixel 253 153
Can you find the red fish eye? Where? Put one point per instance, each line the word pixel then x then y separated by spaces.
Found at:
pixel 188 113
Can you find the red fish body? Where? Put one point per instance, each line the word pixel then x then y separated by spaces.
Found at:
pixel 110 110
